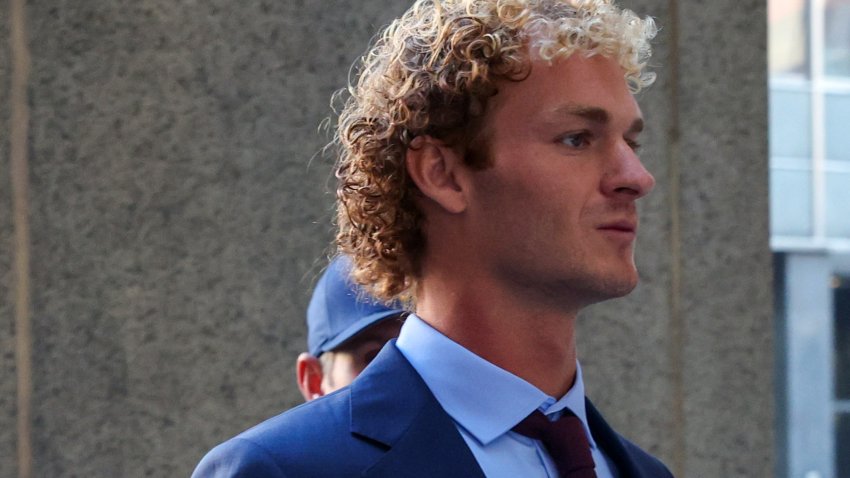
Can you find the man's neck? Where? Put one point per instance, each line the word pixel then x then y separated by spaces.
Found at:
pixel 522 336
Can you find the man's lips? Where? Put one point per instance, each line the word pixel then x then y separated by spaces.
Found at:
pixel 619 226
pixel 624 230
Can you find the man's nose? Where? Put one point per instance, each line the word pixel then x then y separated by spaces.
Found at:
pixel 627 177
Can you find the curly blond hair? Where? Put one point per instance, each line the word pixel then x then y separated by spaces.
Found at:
pixel 431 72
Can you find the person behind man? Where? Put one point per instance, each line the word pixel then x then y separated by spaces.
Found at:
pixel 345 330
pixel 488 174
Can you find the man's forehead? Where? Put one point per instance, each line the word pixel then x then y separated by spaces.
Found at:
pixel 593 88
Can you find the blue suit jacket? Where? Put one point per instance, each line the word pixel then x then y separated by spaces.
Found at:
pixel 386 424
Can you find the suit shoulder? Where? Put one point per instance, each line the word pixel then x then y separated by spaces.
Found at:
pixel 237 458
pixel 325 418
pixel 297 443
pixel 647 463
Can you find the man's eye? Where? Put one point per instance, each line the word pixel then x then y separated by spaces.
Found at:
pixel 575 140
pixel 633 144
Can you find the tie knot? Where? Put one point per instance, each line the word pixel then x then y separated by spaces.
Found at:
pixel 564 439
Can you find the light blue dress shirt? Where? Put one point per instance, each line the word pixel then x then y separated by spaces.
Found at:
pixel 486 402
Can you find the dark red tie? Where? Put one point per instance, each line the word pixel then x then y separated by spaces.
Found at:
pixel 565 441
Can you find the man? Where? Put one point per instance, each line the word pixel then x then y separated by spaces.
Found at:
pixel 488 175
pixel 345 330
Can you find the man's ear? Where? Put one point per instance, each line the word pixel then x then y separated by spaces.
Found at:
pixel 437 170
pixel 308 370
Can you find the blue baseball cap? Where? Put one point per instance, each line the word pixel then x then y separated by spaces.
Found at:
pixel 340 309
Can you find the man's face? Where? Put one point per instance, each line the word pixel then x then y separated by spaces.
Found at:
pixel 555 214
pixel 349 359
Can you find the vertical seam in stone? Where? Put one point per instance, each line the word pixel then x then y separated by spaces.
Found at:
pixel 676 346
pixel 19 173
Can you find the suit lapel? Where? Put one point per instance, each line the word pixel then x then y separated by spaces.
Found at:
pixel 431 447
pixel 391 405
pixel 612 444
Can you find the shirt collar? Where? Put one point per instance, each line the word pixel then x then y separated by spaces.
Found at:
pixel 573 401
pixel 485 400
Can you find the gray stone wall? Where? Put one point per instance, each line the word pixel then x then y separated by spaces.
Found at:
pixel 8 386
pixel 726 264
pixel 180 214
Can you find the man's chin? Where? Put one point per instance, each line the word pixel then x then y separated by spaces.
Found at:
pixel 615 286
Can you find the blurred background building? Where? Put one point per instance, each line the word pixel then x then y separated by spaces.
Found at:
pixel 810 231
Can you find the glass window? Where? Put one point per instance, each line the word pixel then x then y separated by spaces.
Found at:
pixel 841 303
pixel 837 106
pixel 791 202
pixel 838 204
pixel 788 32
pixel 842 444
pixel 837 37
pixel 790 122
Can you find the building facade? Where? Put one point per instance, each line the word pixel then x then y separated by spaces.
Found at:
pixel 810 231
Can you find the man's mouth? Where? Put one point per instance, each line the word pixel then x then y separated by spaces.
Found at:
pixel 624 229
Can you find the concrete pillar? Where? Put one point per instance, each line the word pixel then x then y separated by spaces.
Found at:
pixel 178 222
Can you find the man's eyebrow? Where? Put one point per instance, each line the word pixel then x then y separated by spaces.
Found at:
pixel 597 115
pixel 592 113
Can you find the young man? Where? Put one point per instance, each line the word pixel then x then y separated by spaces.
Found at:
pixel 345 331
pixel 488 176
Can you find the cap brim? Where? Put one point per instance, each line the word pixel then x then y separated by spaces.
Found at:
pixel 355 328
